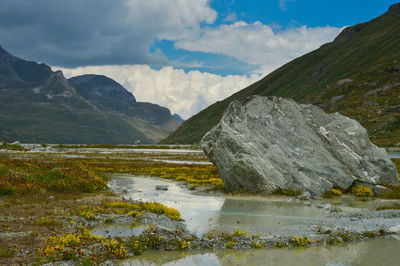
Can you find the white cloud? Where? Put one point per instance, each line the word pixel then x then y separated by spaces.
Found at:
pixel 183 93
pixel 258 44
pixel 283 4
pixel 169 19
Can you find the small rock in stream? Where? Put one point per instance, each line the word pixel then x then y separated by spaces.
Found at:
pixel 161 187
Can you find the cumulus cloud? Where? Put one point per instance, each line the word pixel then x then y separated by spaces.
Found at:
pixel 86 32
pixel 258 44
pixel 183 93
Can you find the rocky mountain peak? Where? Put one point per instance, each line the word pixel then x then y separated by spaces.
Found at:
pixel 394 9
pixel 102 89
pixel 3 53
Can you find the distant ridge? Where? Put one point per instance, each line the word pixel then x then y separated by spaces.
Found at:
pixel 39 105
pixel 358 75
pixel 178 118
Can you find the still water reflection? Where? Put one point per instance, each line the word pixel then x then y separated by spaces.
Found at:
pixel 369 253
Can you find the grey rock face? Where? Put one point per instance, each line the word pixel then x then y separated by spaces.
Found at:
pixel 263 144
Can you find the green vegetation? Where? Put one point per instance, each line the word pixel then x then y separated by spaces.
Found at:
pixel 6 146
pixel 6 253
pixel 361 191
pixel 192 174
pixel 19 176
pixel 332 193
pixel 158 208
pixel 367 54
pixel 301 241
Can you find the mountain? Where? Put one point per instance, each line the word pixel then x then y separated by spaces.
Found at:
pixel 39 105
pixel 105 92
pixel 358 75
pixel 178 118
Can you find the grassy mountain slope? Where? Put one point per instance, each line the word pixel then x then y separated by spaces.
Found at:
pixel 358 75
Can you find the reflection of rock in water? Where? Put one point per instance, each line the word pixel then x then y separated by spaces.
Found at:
pixel 260 215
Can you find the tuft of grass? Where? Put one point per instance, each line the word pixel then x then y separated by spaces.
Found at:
pixel 6 253
pixel 154 207
pixel 331 193
pixel 361 191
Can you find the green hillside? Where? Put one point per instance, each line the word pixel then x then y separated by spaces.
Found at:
pixel 358 75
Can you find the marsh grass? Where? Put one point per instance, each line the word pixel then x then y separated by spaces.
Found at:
pixel 196 175
pixel 158 208
pixel 114 146
pixel 18 176
pixel 6 253
pixel 12 147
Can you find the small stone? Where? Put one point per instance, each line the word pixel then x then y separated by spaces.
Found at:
pixel 305 196
pixel 51 197
pixel 161 187
pixel 395 229
pixel 379 190
pixel 327 207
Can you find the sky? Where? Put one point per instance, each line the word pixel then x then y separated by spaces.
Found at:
pixel 181 54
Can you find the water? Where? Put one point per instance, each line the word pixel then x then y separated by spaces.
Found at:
pixel 213 214
pixel 367 253
pixel 394 155
pixel 205 214
pixel 196 210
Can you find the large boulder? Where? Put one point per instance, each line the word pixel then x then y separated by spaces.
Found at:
pixel 263 144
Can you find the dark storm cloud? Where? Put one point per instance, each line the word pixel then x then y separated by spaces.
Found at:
pixel 74 33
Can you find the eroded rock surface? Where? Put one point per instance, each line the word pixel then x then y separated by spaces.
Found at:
pixel 263 144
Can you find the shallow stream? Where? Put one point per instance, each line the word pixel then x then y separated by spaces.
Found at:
pixel 383 251
pixel 206 214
